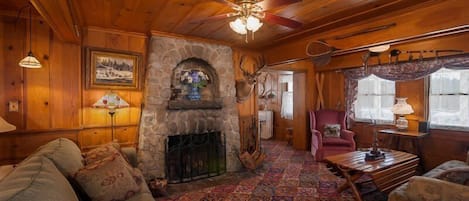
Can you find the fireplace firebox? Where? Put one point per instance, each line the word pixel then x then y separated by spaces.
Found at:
pixel 195 156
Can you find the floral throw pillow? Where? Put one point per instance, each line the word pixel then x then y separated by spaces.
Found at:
pixel 107 179
pixel 99 153
pixel 332 130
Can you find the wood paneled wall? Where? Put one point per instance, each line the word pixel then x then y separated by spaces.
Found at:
pixel 49 97
pixel 249 106
pixel 97 121
pixel 53 101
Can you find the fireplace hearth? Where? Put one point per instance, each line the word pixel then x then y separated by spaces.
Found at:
pixel 195 156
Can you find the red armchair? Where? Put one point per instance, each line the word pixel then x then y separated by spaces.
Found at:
pixel 325 146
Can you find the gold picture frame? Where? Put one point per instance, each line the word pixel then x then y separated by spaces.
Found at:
pixel 112 69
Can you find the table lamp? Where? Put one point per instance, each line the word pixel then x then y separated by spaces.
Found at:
pixel 111 101
pixel 402 108
pixel 5 126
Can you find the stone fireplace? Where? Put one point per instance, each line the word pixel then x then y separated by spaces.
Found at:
pixel 167 112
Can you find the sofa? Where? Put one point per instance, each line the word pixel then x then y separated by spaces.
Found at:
pixel 447 182
pixel 48 174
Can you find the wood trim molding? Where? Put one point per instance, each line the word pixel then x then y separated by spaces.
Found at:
pixel 61 25
pixel 40 131
pixel 116 31
pixel 193 38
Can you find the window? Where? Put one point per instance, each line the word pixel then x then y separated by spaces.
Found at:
pixel 449 99
pixel 375 99
pixel 287 97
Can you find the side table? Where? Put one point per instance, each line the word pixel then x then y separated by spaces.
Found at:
pixel 414 136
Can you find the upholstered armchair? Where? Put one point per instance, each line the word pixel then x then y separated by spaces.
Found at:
pixel 329 134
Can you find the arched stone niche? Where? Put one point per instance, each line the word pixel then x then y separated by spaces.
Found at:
pixel 210 94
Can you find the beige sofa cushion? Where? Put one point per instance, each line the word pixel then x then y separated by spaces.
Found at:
pixel 36 178
pixel 64 153
pixel 431 189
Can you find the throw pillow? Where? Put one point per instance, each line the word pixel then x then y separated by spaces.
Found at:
pixel 459 175
pixel 331 130
pixel 100 152
pixel 108 179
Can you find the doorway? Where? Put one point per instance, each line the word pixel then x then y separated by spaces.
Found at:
pixel 275 100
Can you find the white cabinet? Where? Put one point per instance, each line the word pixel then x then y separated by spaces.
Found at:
pixel 265 125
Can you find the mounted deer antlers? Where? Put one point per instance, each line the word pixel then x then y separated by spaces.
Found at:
pixel 245 86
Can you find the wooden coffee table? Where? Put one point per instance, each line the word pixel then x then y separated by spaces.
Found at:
pixel 388 173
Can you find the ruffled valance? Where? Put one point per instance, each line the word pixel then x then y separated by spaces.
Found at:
pixel 404 71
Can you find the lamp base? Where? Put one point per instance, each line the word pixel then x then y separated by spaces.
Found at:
pixel 402 123
pixel 374 155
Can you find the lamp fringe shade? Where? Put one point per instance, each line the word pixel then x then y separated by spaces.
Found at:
pixel 30 61
pixel 5 126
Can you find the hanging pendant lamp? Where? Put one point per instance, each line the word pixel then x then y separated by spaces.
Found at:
pixel 30 61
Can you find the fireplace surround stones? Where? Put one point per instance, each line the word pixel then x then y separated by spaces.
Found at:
pixel 158 122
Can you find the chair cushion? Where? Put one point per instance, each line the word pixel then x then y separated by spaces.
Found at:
pixel 332 141
pixel 331 130
pixel 36 178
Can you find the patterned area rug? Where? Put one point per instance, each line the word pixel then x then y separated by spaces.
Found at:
pixel 286 175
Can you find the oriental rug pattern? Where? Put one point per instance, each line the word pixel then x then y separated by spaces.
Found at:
pixel 286 175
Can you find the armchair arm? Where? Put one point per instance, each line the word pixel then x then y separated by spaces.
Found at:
pixel 427 188
pixel 347 134
pixel 316 140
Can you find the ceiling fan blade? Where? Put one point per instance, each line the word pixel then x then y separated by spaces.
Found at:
pixel 269 4
pixel 275 19
pixel 213 18
pixel 226 2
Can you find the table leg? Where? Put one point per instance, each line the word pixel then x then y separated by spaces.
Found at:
pixel 418 152
pixel 350 182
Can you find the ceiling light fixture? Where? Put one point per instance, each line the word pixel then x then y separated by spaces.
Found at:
pixel 248 20
pixel 30 61
pixel 379 49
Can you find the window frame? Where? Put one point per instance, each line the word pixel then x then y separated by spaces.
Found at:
pixel 440 126
pixel 371 120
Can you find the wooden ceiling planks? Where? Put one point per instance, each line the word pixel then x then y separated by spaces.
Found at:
pixel 177 16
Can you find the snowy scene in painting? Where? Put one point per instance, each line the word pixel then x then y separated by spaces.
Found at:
pixel 114 70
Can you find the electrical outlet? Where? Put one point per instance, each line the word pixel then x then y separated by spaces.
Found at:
pixel 13 106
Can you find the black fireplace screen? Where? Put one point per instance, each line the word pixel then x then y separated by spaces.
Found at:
pixel 195 156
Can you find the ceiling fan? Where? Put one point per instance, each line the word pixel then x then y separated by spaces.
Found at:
pixel 250 14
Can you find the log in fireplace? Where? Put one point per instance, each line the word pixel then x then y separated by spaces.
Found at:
pixel 195 156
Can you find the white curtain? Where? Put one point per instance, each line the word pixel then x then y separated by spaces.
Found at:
pixel 287 105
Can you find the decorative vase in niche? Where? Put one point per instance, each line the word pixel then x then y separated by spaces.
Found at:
pixel 193 93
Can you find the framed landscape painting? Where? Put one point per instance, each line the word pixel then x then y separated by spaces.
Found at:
pixel 111 69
